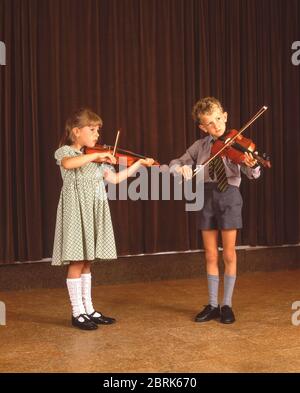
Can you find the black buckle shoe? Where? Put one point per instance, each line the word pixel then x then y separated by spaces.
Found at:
pixel 227 315
pixel 102 319
pixel 83 322
pixel 208 313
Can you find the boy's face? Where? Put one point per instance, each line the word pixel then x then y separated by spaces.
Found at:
pixel 214 123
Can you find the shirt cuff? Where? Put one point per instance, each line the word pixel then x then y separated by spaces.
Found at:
pixel 255 172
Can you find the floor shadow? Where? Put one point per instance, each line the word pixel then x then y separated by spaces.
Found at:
pixel 189 312
pixel 34 318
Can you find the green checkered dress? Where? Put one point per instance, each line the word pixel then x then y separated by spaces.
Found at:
pixel 83 224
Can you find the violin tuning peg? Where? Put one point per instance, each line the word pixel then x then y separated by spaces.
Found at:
pixel 266 157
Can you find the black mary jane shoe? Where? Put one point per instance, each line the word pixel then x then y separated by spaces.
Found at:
pixel 101 319
pixel 84 322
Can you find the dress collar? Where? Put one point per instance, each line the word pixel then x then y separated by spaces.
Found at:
pixel 77 150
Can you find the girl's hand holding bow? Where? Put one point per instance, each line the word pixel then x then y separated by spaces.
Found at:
pixel 105 157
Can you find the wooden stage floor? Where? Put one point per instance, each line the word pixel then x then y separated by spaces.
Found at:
pixel 155 331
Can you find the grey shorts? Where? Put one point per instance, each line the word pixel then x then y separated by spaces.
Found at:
pixel 221 210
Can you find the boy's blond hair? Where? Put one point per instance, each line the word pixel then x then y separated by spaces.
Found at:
pixel 205 106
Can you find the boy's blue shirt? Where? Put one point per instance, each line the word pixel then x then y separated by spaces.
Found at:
pixel 199 152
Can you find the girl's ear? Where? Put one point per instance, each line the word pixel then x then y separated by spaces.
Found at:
pixel 75 132
pixel 225 114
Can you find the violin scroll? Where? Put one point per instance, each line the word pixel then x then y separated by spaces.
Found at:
pixel 264 160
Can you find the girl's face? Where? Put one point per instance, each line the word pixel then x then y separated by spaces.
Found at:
pixel 87 136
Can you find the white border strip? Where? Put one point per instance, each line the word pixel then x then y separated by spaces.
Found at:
pixel 247 248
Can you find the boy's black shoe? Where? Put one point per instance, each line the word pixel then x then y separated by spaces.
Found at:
pixel 101 319
pixel 227 315
pixel 208 313
pixel 83 322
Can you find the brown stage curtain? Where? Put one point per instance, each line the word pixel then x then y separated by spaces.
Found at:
pixel 141 64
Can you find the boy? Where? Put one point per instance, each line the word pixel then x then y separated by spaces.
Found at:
pixel 222 208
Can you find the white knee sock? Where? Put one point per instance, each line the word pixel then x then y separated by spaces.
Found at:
pixel 75 293
pixel 86 282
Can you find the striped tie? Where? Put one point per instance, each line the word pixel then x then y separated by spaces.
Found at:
pixel 216 166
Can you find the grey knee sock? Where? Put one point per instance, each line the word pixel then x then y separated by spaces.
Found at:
pixel 213 287
pixel 229 282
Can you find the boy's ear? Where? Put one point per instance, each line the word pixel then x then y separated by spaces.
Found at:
pixel 202 128
pixel 225 114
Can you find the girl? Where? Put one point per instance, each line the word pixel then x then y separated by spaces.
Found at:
pixel 84 231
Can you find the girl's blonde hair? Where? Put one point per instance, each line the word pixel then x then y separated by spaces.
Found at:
pixel 80 118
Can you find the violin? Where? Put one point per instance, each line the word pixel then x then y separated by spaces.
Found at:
pixel 124 157
pixel 234 146
pixel 236 150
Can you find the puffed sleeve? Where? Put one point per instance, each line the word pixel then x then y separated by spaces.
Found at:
pixel 62 152
pixel 107 167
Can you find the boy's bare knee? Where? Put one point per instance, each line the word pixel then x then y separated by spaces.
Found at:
pixel 229 256
pixel 211 256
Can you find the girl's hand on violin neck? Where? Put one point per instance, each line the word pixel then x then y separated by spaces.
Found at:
pixel 249 160
pixel 185 171
pixel 106 157
pixel 146 161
